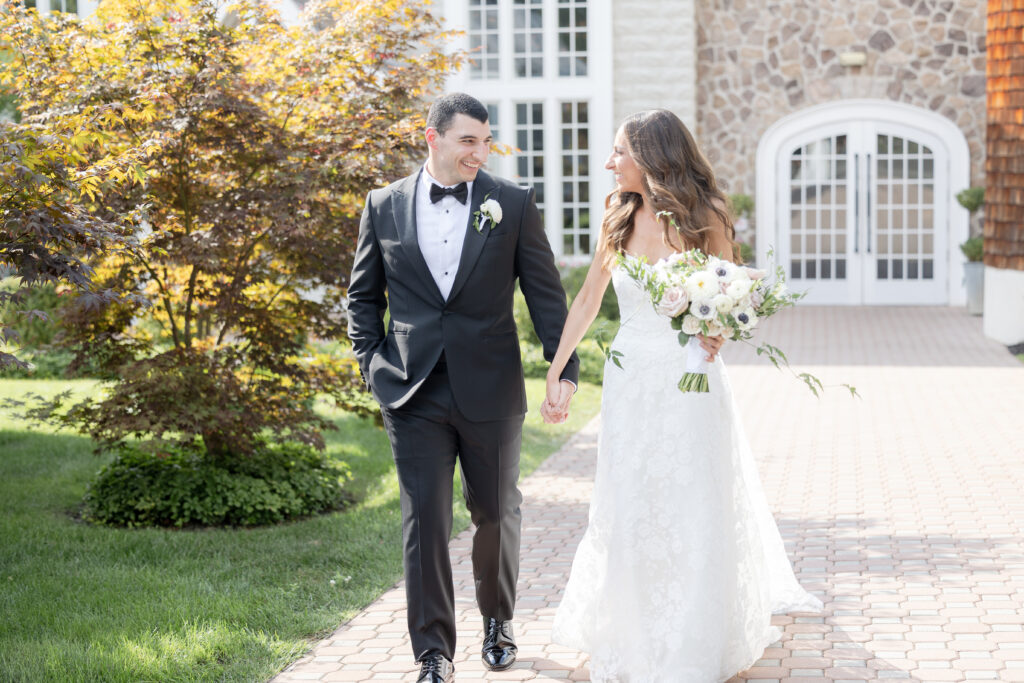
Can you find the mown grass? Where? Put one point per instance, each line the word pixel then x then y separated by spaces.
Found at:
pixel 86 603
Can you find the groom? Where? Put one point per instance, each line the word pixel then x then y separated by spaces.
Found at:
pixel 441 251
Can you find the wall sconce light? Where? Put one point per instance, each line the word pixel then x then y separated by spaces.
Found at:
pixel 853 58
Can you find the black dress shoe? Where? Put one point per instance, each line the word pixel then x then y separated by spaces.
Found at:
pixel 436 669
pixel 499 651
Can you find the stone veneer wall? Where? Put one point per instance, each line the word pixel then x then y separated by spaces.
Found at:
pixel 654 62
pixel 759 61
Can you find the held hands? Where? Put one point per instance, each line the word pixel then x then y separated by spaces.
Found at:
pixel 712 345
pixel 555 408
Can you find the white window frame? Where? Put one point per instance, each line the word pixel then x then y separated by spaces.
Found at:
pixel 784 131
pixel 595 88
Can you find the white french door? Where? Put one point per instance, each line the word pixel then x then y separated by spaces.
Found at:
pixel 863 214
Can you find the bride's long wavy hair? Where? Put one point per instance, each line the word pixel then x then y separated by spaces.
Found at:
pixel 677 179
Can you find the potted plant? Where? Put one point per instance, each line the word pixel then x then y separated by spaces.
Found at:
pixel 742 207
pixel 973 249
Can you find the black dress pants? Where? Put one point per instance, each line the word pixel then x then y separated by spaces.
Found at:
pixel 428 435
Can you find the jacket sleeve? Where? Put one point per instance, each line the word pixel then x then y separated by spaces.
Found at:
pixel 366 300
pixel 542 287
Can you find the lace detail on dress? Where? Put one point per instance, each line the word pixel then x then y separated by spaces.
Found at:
pixel 682 564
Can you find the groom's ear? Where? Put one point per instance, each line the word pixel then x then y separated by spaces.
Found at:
pixel 431 134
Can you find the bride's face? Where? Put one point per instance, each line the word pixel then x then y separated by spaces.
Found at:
pixel 628 176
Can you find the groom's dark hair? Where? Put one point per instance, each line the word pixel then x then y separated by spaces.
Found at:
pixel 444 109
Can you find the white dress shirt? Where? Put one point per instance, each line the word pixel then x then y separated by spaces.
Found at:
pixel 440 231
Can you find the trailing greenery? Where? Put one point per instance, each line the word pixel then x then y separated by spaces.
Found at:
pixel 83 602
pixel 179 487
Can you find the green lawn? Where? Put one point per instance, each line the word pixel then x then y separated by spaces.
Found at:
pixel 83 603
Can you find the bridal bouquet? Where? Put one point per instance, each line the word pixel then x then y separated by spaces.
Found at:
pixel 707 295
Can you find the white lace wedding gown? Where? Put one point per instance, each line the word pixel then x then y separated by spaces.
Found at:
pixel 682 564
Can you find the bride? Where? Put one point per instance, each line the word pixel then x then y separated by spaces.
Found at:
pixel 682 564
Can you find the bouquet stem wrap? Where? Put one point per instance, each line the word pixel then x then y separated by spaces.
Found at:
pixel 696 377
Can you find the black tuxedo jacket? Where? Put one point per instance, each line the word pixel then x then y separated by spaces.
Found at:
pixel 475 327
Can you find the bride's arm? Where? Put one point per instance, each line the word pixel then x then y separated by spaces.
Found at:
pixel 719 245
pixel 582 313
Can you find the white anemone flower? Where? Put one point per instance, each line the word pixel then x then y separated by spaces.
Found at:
pixel 725 271
pixel 746 319
pixel 701 285
pixel 703 309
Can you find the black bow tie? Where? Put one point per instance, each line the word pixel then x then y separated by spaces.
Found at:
pixel 460 192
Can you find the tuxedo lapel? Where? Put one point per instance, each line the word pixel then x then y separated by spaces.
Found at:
pixel 484 186
pixel 404 208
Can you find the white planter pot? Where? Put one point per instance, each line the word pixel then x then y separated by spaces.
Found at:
pixel 974 281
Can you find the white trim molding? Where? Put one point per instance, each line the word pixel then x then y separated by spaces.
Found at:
pixel 783 133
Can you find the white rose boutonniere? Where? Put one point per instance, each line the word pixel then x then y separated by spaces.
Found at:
pixel 490 210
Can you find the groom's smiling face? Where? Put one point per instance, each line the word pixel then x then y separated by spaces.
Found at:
pixel 457 154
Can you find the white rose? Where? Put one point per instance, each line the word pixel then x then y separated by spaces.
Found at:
pixel 691 325
pixel 703 310
pixel 701 285
pixel 739 288
pixel 675 257
pixel 492 208
pixel 723 303
pixel 714 329
pixel 673 302
pixel 746 319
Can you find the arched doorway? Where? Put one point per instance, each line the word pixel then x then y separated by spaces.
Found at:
pixel 856 200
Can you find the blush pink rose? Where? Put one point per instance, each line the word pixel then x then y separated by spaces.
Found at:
pixel 673 302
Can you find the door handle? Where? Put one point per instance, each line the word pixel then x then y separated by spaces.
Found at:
pixel 856 203
pixel 867 200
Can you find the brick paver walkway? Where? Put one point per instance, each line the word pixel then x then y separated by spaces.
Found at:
pixel 902 510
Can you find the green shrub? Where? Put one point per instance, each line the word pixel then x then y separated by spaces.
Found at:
pixel 572 281
pixel 591 361
pixel 973 249
pixel 165 485
pixel 972 198
pixel 746 253
pixel 36 335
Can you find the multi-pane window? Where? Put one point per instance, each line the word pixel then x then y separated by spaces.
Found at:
pixel 68 6
pixel 572 37
pixel 905 213
pixel 483 38
pixel 575 179
pixel 819 206
pixel 528 38
pixel 530 141
pixel 492 119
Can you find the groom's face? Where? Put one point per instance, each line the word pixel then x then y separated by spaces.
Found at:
pixel 457 154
